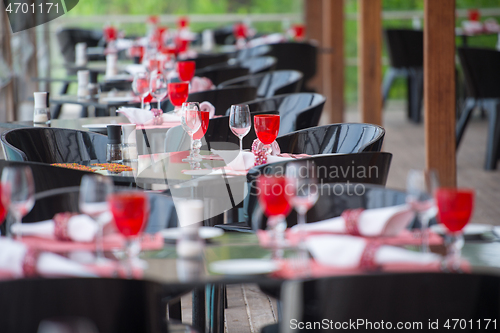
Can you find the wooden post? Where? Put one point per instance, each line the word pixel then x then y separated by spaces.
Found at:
pixel 333 60
pixel 7 93
pixel 313 12
pixel 439 89
pixel 369 57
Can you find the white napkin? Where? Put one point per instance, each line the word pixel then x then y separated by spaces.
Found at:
pixel 245 160
pixel 201 84
pixel 49 264
pixel 81 228
pixel 387 221
pixel 119 77
pixel 144 117
pixel 346 251
pixel 135 68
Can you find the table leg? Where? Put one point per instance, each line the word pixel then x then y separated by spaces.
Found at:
pixel 199 309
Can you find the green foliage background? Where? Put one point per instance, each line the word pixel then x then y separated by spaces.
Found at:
pixel 182 7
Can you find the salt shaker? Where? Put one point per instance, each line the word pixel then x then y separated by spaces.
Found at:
pixel 129 146
pixel 81 54
pixel 41 113
pixel 190 214
pixel 114 148
pixel 83 83
pixel 111 64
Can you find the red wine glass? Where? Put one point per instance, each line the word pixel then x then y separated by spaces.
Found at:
pixel 178 93
pixel 186 70
pixel 130 211
pixel 455 207
pixel 4 202
pixel 275 202
pixel 267 127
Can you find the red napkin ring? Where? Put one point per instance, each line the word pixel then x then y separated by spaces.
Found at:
pixel 61 226
pixel 351 218
pixel 367 261
pixel 29 262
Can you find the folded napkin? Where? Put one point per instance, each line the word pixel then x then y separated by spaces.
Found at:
pixel 146 117
pixel 64 226
pixel 135 68
pixel 201 84
pixel 243 161
pixel 17 259
pixel 350 251
pixel 387 222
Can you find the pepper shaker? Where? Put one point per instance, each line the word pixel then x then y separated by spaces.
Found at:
pixel 114 148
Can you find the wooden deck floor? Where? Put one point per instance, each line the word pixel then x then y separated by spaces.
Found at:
pixel 250 310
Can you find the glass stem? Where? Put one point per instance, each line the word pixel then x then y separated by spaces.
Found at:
pixel 159 104
pixel 424 225
pixel 99 240
pixel 241 144
pixel 127 264
pixel 455 242
pixel 301 221
pixel 142 102
pixel 192 147
pixel 17 222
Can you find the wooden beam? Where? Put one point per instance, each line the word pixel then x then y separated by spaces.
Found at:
pixel 333 60
pixel 439 89
pixel 370 60
pixel 313 14
pixel 7 93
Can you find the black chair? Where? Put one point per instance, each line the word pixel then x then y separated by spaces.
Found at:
pixel 416 301
pixel 406 57
pixel 259 64
pixel 218 131
pixel 53 145
pixel 359 169
pixel 297 111
pixel 112 305
pixel 481 69
pixel 223 98
pixel 301 57
pixel 253 52
pixel 218 75
pixel 269 84
pixel 65 199
pixel 343 138
pixel 69 37
pixel 205 59
pixel 224 35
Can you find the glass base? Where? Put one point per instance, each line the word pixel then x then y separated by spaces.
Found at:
pixel 191 159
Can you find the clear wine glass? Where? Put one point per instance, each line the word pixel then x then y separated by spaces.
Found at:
pixel 21 186
pixel 158 86
pixel 304 193
pixel 94 191
pixel 240 121
pixel 421 186
pixel 140 86
pixel 191 123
